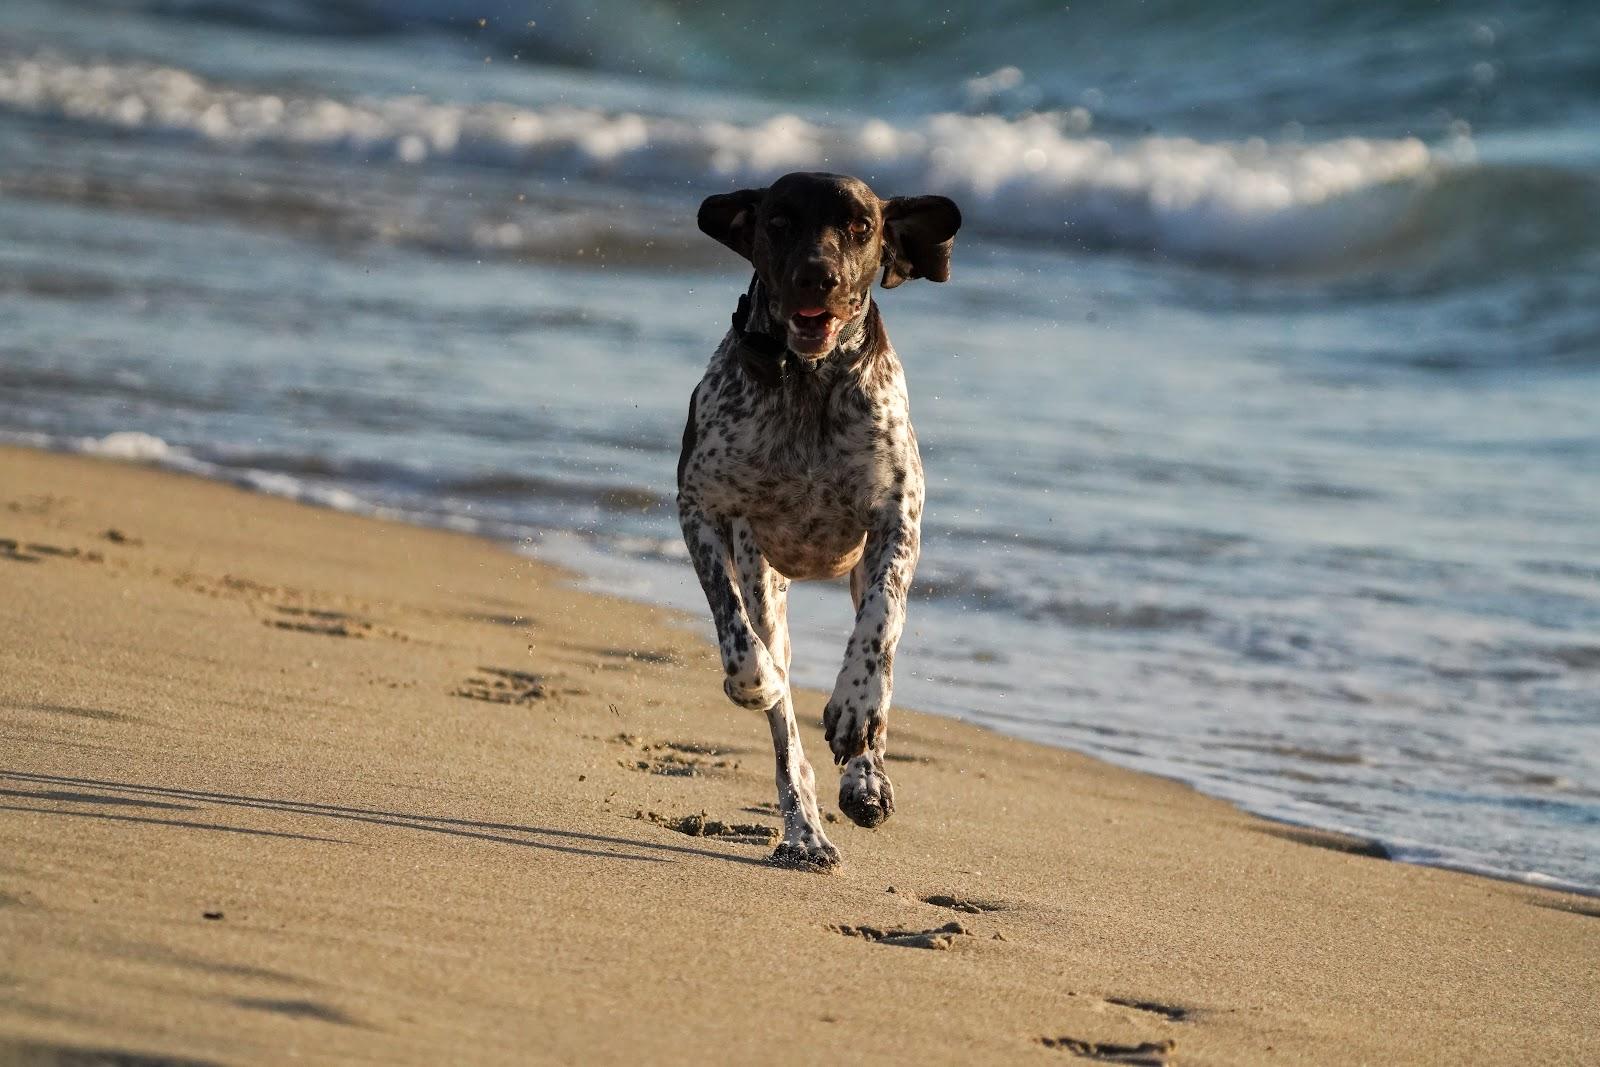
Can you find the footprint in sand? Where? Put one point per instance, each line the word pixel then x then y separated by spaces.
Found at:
pixel 638 655
pixel 940 937
pixel 673 759
pixel 1169 1012
pixel 35 552
pixel 701 825
pixel 501 685
pixel 1144 1054
pixel 494 618
pixel 966 905
pixel 326 623
pixel 12 550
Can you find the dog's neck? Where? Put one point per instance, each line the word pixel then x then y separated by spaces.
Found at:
pixel 763 348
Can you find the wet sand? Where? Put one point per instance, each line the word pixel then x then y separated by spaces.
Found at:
pixel 279 782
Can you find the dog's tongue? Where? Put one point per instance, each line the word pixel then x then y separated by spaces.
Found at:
pixel 814 326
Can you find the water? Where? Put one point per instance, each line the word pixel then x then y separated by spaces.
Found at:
pixel 1259 417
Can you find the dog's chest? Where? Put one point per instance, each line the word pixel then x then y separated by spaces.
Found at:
pixel 802 463
pixel 809 503
pixel 814 461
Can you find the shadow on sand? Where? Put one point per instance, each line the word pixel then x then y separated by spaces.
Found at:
pixel 39 1054
pixel 93 791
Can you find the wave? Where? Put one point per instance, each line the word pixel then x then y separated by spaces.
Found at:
pixel 1229 63
pixel 136 446
pixel 1001 593
pixel 373 487
pixel 1036 177
pixel 457 500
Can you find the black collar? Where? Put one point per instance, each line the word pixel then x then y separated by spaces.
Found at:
pixel 765 356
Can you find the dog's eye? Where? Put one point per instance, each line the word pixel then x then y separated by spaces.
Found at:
pixel 779 222
pixel 859 227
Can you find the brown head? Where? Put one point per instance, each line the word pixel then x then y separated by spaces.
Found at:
pixel 817 242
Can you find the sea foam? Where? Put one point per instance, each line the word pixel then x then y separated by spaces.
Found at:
pixel 1036 176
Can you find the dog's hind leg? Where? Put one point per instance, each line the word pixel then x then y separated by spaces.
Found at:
pixel 766 595
pixel 804 845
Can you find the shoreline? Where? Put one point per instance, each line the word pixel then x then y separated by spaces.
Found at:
pixel 434 794
pixel 138 448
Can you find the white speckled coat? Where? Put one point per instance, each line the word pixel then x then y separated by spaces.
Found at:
pixel 796 468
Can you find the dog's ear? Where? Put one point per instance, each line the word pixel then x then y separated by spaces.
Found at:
pixel 731 218
pixel 918 233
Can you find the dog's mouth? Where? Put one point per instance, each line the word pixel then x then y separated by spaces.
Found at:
pixel 813 330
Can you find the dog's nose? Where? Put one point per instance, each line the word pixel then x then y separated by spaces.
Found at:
pixel 816 276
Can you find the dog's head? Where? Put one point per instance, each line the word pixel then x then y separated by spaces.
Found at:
pixel 818 240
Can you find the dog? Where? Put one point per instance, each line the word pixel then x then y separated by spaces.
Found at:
pixel 799 462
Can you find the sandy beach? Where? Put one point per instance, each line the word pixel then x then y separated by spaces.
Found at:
pixel 284 783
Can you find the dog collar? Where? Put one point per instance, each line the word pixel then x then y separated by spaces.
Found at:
pixel 764 357
pixel 767 359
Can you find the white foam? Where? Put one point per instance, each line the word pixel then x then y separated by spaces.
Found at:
pixel 1468 862
pixel 1038 175
pixel 128 444
pixel 136 446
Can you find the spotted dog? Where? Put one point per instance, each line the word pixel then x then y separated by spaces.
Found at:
pixel 799 462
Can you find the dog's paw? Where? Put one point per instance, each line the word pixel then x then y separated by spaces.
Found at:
pixel 812 853
pixel 865 793
pixel 851 727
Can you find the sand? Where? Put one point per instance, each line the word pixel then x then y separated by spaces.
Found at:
pixel 282 783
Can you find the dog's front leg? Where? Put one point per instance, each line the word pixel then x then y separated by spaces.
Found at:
pixel 766 598
pixel 857 715
pixel 748 601
pixel 752 679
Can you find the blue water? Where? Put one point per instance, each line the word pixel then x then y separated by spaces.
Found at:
pixel 1260 416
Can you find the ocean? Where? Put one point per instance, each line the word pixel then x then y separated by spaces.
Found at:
pixel 1261 415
